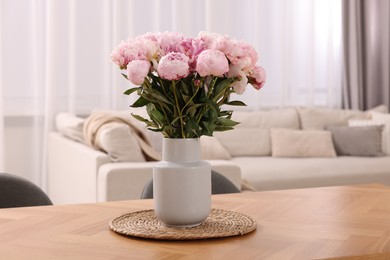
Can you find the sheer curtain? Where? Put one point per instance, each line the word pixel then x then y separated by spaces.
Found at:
pixel 55 56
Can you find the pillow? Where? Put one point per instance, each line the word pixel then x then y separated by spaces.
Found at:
pixel 266 119
pixel 246 141
pixel 301 143
pixel 70 126
pixel 357 141
pixel 119 142
pixel 320 117
pixel 252 136
pixel 378 109
pixel 385 132
pixel 385 120
pixel 212 149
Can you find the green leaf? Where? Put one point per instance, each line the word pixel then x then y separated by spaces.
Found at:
pixel 157 116
pixel 212 105
pixel 222 87
pixel 140 102
pixel 146 121
pixel 208 128
pixel 226 113
pixel 191 111
pixel 193 127
pixel 223 128
pixel 235 103
pixel 227 122
pixel 160 97
pixel 185 98
pixel 176 119
pixel 184 88
pixel 155 129
pixel 169 131
pixel 131 90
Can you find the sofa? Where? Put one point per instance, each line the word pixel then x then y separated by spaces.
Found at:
pixel 112 168
pixel 296 147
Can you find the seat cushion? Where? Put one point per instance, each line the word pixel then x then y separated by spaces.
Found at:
pixel 268 173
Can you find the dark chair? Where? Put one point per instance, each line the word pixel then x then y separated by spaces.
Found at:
pixel 19 192
pixel 219 185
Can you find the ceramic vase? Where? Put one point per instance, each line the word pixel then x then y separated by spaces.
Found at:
pixel 182 184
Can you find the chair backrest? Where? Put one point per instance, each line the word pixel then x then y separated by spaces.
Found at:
pixel 19 192
pixel 219 185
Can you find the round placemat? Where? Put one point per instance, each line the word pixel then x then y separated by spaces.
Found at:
pixel 220 223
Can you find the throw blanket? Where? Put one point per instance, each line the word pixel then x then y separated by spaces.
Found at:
pixel 98 121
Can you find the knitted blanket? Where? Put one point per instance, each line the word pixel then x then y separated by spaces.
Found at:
pixel 99 121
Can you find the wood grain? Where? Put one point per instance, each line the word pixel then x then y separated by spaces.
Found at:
pixel 316 223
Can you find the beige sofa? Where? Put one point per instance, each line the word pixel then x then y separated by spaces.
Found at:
pixel 252 147
pixel 272 149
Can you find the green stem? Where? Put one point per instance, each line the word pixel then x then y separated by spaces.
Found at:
pixel 189 101
pixel 178 109
pixel 211 89
pixel 225 96
pixel 163 87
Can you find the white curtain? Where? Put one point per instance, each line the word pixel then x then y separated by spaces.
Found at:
pixel 55 56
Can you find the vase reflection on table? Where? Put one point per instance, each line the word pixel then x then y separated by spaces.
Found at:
pixel 184 83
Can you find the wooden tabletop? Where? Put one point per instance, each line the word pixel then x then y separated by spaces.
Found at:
pixel 299 224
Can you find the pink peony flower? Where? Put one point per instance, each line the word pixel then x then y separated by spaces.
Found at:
pixel 240 85
pixel 137 70
pixel 147 36
pixel 191 48
pixel 119 55
pixel 216 41
pixel 168 42
pixel 148 49
pixel 173 66
pixel 237 52
pixel 257 77
pixel 212 62
pixel 129 51
pixel 242 54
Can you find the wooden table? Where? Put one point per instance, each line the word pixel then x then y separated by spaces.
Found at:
pixel 292 224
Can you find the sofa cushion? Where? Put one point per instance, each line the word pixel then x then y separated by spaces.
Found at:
pixel 320 117
pixel 301 143
pixel 246 141
pixel 384 119
pixel 270 173
pixel 357 141
pixel 385 131
pixel 212 149
pixel 119 142
pixel 70 126
pixel 252 136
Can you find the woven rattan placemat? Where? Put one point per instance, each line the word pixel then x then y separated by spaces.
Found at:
pixel 220 223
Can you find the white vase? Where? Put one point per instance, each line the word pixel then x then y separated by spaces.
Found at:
pixel 182 184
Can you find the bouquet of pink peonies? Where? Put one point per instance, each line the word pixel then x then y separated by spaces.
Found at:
pixel 184 81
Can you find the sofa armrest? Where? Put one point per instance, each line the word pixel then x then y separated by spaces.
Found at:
pixel 228 169
pixel 72 170
pixel 125 181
